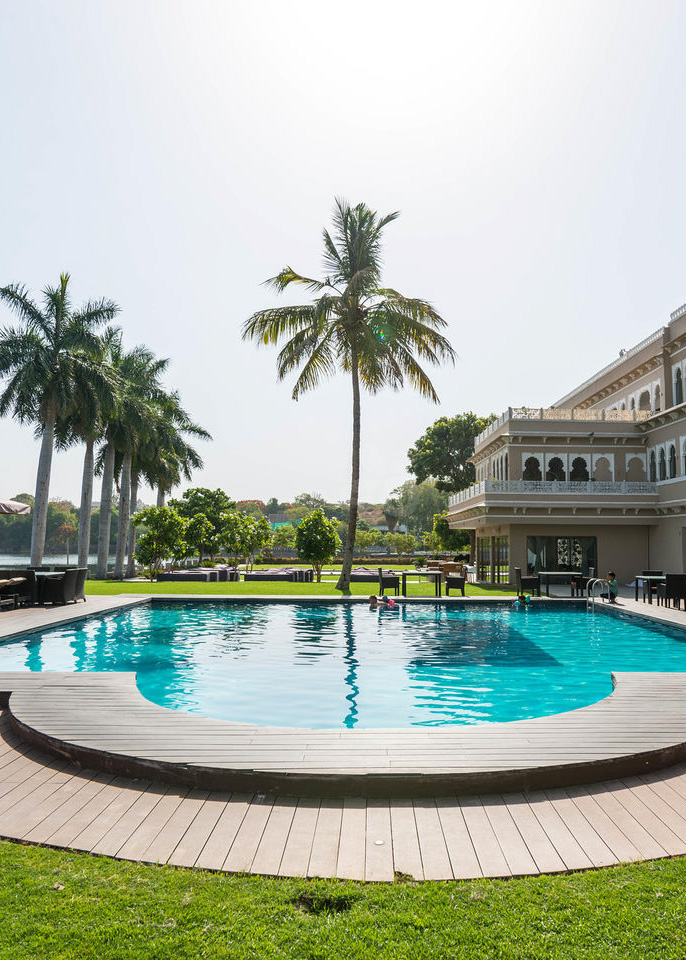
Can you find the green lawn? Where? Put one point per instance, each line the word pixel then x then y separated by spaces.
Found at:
pixel 62 905
pixel 326 588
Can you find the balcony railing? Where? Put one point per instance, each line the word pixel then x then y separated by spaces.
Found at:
pixel 559 413
pixel 593 488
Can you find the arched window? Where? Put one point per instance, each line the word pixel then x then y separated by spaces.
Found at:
pixel 657 398
pixel 601 470
pixel 532 469
pixel 653 468
pixel 635 471
pixel 579 469
pixel 506 475
pixel 623 406
pixel 644 400
pixel 662 465
pixel 556 469
pixel 678 388
pixel 633 403
pixel 672 462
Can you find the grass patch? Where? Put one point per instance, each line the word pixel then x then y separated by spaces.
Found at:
pixel 65 905
pixel 257 588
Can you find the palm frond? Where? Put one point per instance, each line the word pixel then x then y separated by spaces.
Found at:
pixel 269 326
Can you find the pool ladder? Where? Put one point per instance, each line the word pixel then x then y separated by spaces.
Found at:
pixel 590 596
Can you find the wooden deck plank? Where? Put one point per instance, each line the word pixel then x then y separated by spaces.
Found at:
pixel 584 833
pixel 174 829
pixel 519 859
pixel 327 835
pixel 563 840
pixel 273 841
pixel 351 847
pixel 247 839
pixel 135 846
pixel 537 841
pixel 407 858
pixel 296 855
pixel 434 852
pixel 463 859
pixel 216 849
pixel 112 841
pixel 126 796
pixel 378 863
pixel 635 837
pixel 485 843
pixel 90 790
pixel 190 846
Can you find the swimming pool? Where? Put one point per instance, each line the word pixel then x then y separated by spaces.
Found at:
pixel 342 665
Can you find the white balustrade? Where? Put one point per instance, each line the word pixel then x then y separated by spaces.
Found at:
pixel 593 488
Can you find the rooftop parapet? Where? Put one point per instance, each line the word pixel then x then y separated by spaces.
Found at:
pixel 558 413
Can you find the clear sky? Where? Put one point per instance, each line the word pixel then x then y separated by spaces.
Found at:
pixel 173 154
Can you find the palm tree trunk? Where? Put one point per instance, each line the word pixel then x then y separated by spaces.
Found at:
pixel 105 511
pixel 40 506
pixel 344 579
pixel 160 497
pixel 86 505
pixel 131 547
pixel 123 526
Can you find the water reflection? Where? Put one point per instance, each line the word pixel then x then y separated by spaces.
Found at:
pixel 352 665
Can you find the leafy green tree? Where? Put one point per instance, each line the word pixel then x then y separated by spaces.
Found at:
pixel 163 537
pixel 445 538
pixel 258 534
pixel 242 535
pixel 283 536
pixel 418 503
pixel 214 504
pixel 374 334
pixel 317 540
pixel 391 513
pixel 442 453
pixel 367 538
pixel 199 531
pixel 54 350
pixel 402 543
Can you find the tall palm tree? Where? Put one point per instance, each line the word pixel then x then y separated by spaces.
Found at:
pixel 94 402
pixel 372 333
pixel 139 373
pixel 54 350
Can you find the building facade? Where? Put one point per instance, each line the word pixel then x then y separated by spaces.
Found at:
pixel 596 482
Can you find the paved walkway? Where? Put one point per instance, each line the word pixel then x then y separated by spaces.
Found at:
pixel 48 801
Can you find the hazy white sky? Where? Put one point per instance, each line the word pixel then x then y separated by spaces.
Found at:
pixel 172 155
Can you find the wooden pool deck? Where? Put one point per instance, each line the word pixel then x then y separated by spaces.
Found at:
pixel 452 805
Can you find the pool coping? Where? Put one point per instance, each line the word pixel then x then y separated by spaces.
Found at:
pixel 101 720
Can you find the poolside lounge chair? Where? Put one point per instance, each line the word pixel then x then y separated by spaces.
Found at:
pixel 177 576
pixel 674 589
pixel 274 575
pixel 530 584
pixel 388 580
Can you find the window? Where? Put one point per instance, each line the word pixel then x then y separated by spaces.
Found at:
pixel 556 469
pixel 483 558
pixel 633 403
pixel 653 467
pixel 579 469
pixel 657 398
pixel 678 388
pixel 662 465
pixel 635 471
pixel 562 553
pixel 532 469
pixel 672 462
pixel 644 400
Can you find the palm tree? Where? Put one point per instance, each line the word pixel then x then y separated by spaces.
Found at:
pixel 54 351
pixel 139 373
pixel 95 401
pixel 372 333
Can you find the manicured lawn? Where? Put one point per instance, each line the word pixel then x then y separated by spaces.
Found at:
pixel 62 905
pixel 326 588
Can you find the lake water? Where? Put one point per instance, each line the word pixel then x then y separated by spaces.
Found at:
pixel 8 560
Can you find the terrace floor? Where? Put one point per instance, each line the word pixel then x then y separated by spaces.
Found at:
pixel 499 832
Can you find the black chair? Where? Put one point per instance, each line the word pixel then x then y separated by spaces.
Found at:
pixel 80 586
pixel 61 589
pixel 390 580
pixel 578 585
pixel 673 589
pixel 530 584
pixel 455 581
pixel 649 587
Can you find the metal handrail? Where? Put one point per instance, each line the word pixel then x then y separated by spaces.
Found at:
pixel 590 596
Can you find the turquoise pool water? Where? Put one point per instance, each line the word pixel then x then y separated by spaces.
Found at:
pixel 312 665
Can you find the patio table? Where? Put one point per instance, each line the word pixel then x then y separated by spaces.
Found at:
pixel 547 574
pixel 434 575
pixel 647 580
